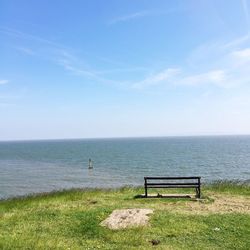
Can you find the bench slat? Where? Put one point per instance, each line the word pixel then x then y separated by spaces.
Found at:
pixel 172 178
pixel 172 184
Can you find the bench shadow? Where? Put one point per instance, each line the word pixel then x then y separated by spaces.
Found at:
pixel 185 196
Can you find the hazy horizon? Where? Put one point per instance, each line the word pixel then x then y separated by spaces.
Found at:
pixel 118 69
pixel 128 137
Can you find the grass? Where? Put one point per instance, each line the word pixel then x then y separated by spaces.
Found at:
pixel 230 187
pixel 70 220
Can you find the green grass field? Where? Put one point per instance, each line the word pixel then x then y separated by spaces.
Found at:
pixel 70 220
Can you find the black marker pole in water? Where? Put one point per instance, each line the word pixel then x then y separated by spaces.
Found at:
pixel 90 164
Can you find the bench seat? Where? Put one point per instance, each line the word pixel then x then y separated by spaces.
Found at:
pixel 173 182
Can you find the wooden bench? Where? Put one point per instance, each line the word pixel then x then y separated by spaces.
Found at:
pixel 173 182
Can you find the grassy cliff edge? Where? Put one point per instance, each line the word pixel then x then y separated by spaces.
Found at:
pixel 71 220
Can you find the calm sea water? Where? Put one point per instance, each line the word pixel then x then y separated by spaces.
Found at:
pixel 41 166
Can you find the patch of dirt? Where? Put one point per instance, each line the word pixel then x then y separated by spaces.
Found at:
pixel 123 218
pixel 217 204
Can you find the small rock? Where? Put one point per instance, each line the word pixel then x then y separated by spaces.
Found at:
pixel 155 242
pixel 92 202
pixel 216 229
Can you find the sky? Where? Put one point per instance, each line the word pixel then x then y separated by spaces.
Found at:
pixel 124 68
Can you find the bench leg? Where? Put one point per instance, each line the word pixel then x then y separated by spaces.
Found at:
pixel 198 192
pixel 199 188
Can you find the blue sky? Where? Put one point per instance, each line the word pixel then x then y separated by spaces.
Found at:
pixel 83 69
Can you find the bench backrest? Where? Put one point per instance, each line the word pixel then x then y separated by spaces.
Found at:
pixel 161 182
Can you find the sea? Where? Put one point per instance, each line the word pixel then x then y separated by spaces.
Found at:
pixel 28 167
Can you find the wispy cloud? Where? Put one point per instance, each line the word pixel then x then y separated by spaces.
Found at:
pixel 246 12
pixel 3 81
pixel 12 98
pixel 26 51
pixel 24 35
pixel 74 65
pixel 224 65
pixel 139 14
pixel 129 17
pixel 216 77
pixel 155 79
pixel 243 54
pixel 63 56
pixel 214 51
pixel 178 77
pixel 67 58
pixel 70 63
pixel 236 42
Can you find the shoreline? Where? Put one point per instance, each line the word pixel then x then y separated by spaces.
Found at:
pixel 219 184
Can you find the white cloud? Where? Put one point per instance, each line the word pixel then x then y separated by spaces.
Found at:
pixel 221 64
pixel 244 53
pixel 215 77
pixel 3 81
pixel 215 51
pixel 176 76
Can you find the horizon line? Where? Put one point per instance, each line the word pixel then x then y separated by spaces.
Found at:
pixel 120 137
